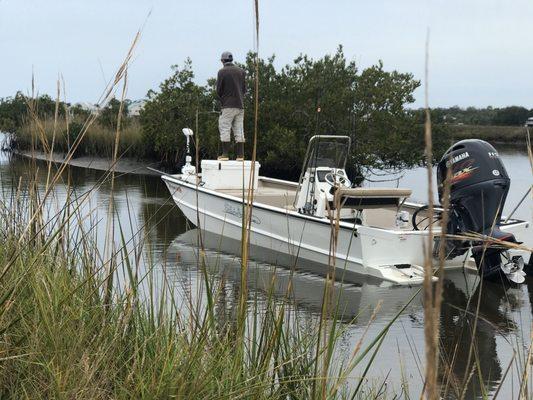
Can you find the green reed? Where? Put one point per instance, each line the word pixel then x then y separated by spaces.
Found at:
pixel 99 139
pixel 60 339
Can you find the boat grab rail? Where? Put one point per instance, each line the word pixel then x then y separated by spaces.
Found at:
pixel 373 192
pixel 361 198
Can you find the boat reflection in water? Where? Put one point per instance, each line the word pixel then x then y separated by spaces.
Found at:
pixel 270 272
pixel 494 320
pixel 357 299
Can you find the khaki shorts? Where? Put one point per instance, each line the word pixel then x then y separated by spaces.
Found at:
pixel 231 119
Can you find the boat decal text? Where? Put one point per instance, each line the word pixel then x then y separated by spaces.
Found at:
pixel 236 211
pixel 457 158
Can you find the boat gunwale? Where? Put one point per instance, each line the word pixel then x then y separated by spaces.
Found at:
pixel 351 226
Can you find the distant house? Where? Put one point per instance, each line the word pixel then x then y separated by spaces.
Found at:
pixel 91 108
pixel 529 121
pixel 449 119
pixel 135 107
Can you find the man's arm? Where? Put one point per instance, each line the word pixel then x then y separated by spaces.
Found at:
pixel 219 85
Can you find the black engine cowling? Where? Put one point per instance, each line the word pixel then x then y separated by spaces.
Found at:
pixel 478 189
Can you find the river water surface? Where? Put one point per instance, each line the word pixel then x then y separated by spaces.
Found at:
pixel 148 216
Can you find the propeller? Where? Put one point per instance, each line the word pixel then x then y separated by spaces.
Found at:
pixel 514 269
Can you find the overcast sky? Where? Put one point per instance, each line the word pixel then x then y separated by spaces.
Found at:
pixel 481 52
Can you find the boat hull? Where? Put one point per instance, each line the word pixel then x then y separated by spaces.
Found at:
pixel 392 255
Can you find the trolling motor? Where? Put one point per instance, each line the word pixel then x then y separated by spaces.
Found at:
pixel 479 185
pixel 188 169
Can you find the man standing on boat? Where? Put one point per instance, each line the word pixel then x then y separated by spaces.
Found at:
pixel 231 87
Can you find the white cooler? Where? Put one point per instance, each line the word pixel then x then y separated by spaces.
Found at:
pixel 228 174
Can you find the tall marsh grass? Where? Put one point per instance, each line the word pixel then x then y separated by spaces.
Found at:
pixel 491 133
pixel 99 139
pixel 66 334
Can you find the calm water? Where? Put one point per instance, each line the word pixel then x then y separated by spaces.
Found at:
pixel 149 217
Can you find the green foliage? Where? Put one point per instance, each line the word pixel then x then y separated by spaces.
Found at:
pixel 73 131
pixel 12 112
pixel 169 110
pixel 78 111
pixel 99 140
pixel 508 116
pixel 308 97
pixel 44 106
pixel 384 131
pixel 28 119
pixel 513 115
pixel 109 114
pixel 329 95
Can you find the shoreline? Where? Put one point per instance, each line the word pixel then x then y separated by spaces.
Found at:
pixel 494 134
pixel 123 165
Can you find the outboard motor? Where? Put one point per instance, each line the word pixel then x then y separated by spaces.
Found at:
pixel 479 187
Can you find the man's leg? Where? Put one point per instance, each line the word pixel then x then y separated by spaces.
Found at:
pixel 224 128
pixel 238 131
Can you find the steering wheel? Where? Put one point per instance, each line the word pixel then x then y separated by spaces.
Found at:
pixel 437 216
pixel 332 178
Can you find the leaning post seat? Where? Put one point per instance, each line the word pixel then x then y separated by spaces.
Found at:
pixel 361 198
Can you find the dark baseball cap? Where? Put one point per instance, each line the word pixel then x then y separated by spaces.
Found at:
pixel 226 56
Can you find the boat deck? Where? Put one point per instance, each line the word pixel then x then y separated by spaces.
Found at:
pixel 270 192
pixel 281 194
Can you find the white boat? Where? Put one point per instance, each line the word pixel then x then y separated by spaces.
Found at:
pixel 379 230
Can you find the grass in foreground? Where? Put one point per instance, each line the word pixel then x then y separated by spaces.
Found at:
pixel 60 339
